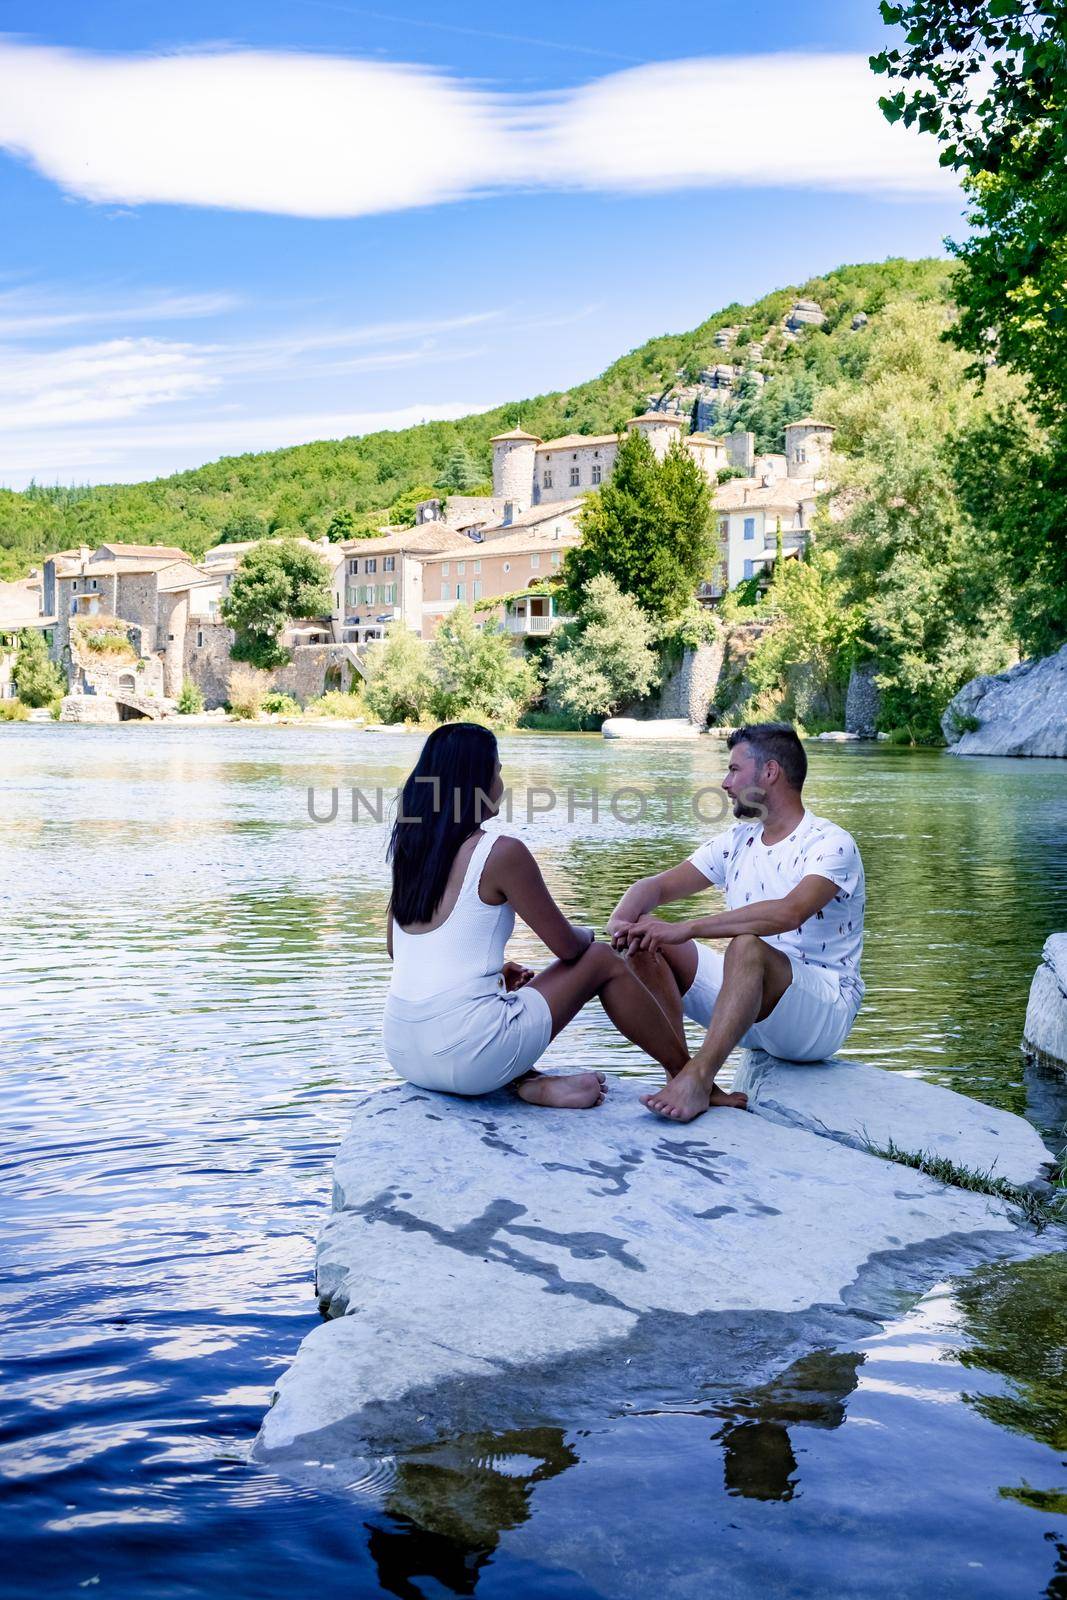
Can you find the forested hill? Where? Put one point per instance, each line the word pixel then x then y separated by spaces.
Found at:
pixel 302 489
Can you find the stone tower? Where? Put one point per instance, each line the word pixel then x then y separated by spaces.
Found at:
pixel 514 461
pixel 659 429
pixel 807 448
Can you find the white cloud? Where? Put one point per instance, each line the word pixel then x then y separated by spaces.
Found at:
pixel 321 136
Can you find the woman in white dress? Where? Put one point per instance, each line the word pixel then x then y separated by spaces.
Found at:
pixel 458 1016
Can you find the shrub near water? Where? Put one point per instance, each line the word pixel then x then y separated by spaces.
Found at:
pixel 281 705
pixel 335 703
pixel 13 711
pixel 190 701
pixel 247 691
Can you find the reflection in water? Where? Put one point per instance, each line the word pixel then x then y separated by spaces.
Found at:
pixel 758 1459
pixel 1016 1320
pixel 451 1502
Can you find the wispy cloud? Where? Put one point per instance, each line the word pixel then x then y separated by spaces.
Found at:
pixel 27 311
pixel 97 383
pixel 101 454
pixel 322 136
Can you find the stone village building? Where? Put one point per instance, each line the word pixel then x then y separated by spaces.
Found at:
pixel 506 547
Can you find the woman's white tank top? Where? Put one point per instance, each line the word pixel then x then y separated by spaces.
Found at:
pixel 470 943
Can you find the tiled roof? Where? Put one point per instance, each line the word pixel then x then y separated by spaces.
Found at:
pixel 743 494
pixel 426 537
pixel 20 603
pixel 811 422
pixel 154 552
pixel 514 433
pixel 655 416
pixel 575 441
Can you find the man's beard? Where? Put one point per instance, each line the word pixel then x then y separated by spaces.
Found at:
pixel 753 805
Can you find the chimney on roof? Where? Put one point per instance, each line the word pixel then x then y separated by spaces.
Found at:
pixel 84 552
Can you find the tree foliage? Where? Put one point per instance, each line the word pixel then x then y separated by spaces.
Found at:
pixel 459 474
pixel 477 672
pixel 399 683
pixel 277 581
pixel 649 530
pixel 38 681
pixel 988 79
pixel 604 659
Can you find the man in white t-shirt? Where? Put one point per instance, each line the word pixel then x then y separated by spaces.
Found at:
pixel 789 981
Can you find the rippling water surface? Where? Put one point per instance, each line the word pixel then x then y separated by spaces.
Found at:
pixel 192 975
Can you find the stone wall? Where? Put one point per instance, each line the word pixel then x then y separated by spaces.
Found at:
pixel 207 660
pixel 863 701
pixel 305 676
pixel 208 664
pixel 690 688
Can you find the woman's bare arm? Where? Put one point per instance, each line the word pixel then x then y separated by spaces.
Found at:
pixel 512 873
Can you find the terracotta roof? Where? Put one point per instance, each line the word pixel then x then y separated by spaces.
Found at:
pixel 811 422
pixel 20 603
pixel 743 494
pixel 425 537
pixel 655 416
pixel 125 567
pixel 525 533
pixel 572 441
pixel 535 515
pixel 184 575
pixel 514 433
pixel 705 438
pixel 155 552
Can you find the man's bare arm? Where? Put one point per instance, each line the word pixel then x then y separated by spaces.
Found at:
pixel 761 917
pixel 643 897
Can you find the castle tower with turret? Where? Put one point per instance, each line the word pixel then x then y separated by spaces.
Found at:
pixel 807 448
pixel 514 461
pixel 659 428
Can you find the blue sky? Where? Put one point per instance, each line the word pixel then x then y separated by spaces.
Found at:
pixel 238 226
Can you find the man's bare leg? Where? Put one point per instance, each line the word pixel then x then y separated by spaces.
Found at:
pixel 755 977
pixel 668 973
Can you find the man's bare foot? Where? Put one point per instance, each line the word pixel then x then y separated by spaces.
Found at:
pixel 575 1092
pixel 685 1097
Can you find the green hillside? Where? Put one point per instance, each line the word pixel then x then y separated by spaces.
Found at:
pixel 300 489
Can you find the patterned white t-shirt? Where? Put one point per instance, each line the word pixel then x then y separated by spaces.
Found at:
pixel 747 870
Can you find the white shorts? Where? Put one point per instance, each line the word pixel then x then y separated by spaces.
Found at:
pixel 811 1021
pixel 471 1040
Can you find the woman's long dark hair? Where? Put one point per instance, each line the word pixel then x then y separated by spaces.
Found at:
pixel 442 802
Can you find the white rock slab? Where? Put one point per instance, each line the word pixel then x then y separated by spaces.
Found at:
pixel 492 1265
pixel 1045 1029
pixel 654 728
pixel 1020 713
pixel 859 1104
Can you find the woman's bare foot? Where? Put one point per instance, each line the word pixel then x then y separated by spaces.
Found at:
pixel 575 1092
pixel 685 1097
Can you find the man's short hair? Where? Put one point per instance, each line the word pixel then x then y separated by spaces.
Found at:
pixel 775 741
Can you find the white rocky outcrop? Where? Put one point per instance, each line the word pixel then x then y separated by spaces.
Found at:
pixel 492 1265
pixel 1019 713
pixel 1045 1029
pixel 654 728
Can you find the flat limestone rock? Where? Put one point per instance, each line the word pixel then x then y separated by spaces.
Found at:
pixel 493 1265
pixel 653 728
pixel 1045 1029
pixel 858 1104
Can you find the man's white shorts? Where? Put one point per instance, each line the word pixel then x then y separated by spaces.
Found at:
pixel 812 1020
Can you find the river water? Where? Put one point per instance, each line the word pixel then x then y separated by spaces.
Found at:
pixel 192 975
